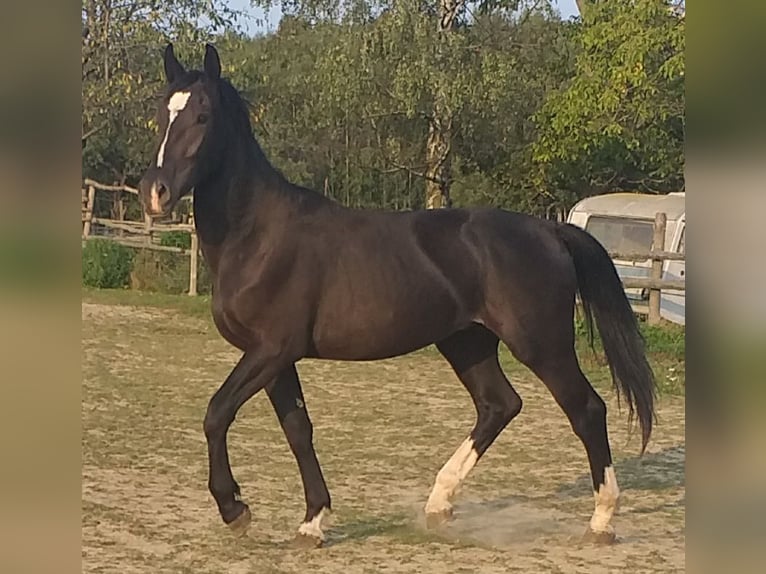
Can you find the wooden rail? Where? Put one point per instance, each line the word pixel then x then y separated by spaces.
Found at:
pixel 140 244
pixel 644 255
pixel 105 187
pixel 139 227
pixel 655 283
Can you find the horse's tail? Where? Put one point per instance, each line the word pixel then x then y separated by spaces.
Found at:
pixel 603 297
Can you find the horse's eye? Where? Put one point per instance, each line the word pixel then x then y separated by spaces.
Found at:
pixel 202 118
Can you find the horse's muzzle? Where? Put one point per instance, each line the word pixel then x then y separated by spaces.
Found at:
pixel 155 196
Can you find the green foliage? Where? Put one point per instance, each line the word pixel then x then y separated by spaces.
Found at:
pixel 106 264
pixel 665 347
pixel 167 272
pixel 666 338
pixel 160 272
pixel 204 278
pixel 541 112
pixel 344 105
pixel 180 239
pixel 619 123
pixel 475 189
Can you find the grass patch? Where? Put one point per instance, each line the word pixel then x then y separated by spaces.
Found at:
pixel 665 348
pixel 358 527
pixel 397 527
pixel 198 307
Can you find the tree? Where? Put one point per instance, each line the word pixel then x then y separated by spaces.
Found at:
pixel 417 62
pixel 412 103
pixel 521 61
pixel 619 123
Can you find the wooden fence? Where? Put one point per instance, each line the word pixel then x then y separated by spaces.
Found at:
pixel 137 234
pixel 655 284
pixel 144 234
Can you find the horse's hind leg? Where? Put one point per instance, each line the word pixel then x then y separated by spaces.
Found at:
pixel 287 399
pixel 472 353
pixel 555 362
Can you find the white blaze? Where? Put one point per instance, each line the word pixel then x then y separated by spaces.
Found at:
pixel 450 476
pixel 606 502
pixel 314 527
pixel 177 103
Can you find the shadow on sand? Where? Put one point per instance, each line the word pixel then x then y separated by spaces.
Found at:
pixel 653 471
pixel 519 521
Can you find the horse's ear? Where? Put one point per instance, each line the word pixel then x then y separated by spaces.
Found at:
pixel 212 62
pixel 173 68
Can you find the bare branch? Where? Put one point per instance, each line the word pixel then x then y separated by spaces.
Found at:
pixel 90 132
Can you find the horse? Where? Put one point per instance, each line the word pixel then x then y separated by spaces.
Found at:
pixel 297 275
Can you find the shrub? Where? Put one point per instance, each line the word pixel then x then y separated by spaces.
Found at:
pixel 160 272
pixel 204 278
pixel 180 239
pixel 106 264
pixel 167 272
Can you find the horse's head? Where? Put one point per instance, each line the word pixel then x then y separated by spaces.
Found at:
pixel 187 119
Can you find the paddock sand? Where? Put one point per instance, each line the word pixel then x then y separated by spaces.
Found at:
pixel 382 430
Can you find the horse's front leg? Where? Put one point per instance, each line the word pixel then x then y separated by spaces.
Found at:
pixel 287 399
pixel 253 372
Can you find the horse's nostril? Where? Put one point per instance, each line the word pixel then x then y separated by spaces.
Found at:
pixel 159 195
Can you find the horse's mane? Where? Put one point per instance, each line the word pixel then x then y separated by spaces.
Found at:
pixel 236 105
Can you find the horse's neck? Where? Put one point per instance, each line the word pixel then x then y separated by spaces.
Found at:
pixel 226 205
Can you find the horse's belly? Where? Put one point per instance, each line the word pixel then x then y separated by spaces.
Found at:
pixel 378 329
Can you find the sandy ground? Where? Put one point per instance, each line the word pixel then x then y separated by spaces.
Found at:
pixel 382 431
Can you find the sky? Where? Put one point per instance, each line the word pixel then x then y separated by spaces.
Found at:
pixel 258 21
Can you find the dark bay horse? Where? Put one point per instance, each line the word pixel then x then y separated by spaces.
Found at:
pixel 297 275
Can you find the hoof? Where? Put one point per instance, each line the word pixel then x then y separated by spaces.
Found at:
pixel 436 519
pixel 307 542
pixel 600 538
pixel 239 525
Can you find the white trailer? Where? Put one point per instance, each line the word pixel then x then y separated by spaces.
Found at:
pixel 623 222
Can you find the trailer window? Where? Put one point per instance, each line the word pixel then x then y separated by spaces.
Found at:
pixel 621 234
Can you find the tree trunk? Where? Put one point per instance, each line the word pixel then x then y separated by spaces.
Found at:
pixel 88 38
pixel 107 22
pixel 439 143
pixel 438 158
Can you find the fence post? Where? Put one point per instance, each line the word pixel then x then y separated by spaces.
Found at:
pixel 193 258
pixel 658 244
pixel 89 205
pixel 148 228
